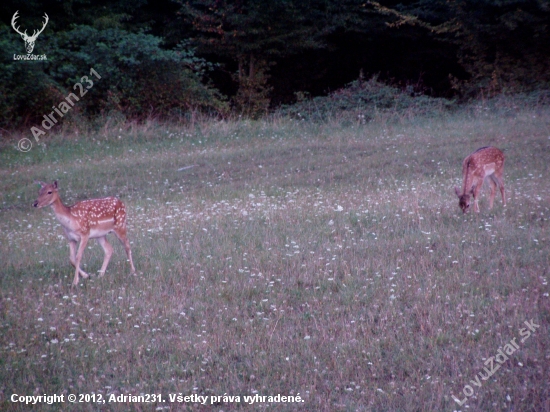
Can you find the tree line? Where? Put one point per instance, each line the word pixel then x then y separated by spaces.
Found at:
pixel 172 58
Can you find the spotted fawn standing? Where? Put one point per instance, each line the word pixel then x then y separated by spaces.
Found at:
pixel 89 219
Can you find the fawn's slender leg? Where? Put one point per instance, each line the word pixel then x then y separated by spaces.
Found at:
pixel 493 184
pixel 476 191
pixel 81 247
pixel 500 180
pixel 108 249
pixel 72 257
pixel 121 235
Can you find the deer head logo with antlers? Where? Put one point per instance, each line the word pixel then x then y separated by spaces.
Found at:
pixel 29 40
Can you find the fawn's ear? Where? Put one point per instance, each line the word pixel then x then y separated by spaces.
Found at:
pixel 55 184
pixel 457 191
pixel 38 182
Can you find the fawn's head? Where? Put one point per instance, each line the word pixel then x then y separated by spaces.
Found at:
pixel 47 194
pixel 463 200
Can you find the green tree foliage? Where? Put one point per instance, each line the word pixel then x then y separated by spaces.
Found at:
pixel 251 27
pixel 257 35
pixel 253 33
pixel 504 45
pixel 128 63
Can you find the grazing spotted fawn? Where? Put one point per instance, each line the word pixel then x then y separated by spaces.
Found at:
pixel 484 162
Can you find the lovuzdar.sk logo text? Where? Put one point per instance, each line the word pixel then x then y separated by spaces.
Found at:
pixel 29 40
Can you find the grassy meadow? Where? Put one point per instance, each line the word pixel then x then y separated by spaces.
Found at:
pixel 328 261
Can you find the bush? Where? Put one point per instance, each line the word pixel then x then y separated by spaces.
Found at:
pixel 363 100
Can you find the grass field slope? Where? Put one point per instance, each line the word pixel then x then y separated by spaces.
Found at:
pixel 325 262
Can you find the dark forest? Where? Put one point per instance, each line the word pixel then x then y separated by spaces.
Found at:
pixel 173 57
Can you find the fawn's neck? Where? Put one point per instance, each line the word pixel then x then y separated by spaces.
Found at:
pixel 60 210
